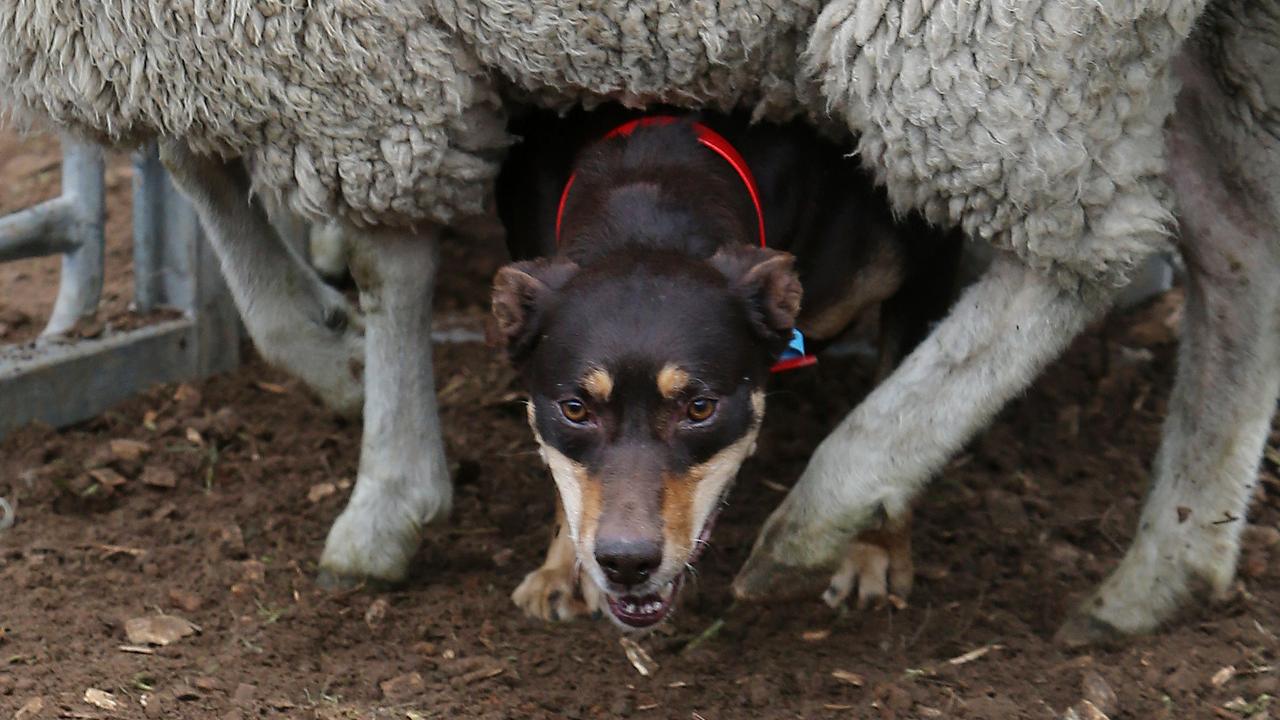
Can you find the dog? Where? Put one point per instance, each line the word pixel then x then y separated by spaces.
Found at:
pixel 659 273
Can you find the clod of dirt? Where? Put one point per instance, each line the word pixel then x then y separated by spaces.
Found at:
pixel 187 398
pixel 185 599
pixel 160 477
pixel 402 688
pixel 892 701
pixel 756 691
pixel 1006 512
pixel 622 706
pixel 253 571
pixel 207 684
pixel 101 699
pixel 157 629
pixel 124 450
pixel 1099 693
pixel 243 696
pixel 109 479
pixel 30 709
pixel 230 542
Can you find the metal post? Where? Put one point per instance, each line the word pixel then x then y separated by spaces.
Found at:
pixel 80 284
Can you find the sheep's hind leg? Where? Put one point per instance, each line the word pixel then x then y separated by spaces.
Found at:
pixel 1227 174
pixel 296 321
pixel 403 480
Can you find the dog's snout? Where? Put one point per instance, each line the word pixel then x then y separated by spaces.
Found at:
pixel 628 562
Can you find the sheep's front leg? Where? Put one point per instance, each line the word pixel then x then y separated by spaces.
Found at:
pixel 1224 170
pixel 403 481
pixel 296 321
pixel 998 337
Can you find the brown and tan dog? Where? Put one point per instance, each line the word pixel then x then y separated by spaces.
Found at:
pixel 658 280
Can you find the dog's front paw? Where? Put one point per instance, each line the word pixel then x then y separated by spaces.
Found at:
pixel 555 595
pixel 878 566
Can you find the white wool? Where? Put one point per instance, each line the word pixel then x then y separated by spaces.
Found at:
pixel 1034 124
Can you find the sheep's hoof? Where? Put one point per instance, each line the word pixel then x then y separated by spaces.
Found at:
pixel 1083 629
pixel 338 582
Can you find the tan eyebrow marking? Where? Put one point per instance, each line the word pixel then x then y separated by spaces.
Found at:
pixel 672 381
pixel 598 383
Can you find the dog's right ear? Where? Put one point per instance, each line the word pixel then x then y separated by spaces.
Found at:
pixel 521 291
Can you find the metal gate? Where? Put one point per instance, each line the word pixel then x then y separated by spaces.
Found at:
pixel 59 381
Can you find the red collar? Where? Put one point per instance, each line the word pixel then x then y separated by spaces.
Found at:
pixel 795 356
pixel 709 139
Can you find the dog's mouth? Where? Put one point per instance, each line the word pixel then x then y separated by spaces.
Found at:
pixel 645 611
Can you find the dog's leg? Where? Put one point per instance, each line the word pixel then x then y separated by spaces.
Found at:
pixel 403 481
pixel 552 592
pixel 1227 173
pixel 998 337
pixel 296 321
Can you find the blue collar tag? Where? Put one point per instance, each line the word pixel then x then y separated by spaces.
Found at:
pixel 794 356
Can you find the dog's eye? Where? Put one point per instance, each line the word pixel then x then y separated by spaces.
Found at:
pixel 574 411
pixel 700 409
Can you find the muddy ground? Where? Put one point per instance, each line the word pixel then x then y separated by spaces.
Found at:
pixel 208 503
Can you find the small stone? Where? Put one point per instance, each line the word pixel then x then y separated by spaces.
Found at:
pixel 376 613
pixel 320 491
pixel 30 709
pixel 243 695
pixel 101 699
pixel 1099 693
pixel 160 477
pixel 207 684
pixel 184 599
pixel 502 558
pixel 185 693
pixel 157 629
pixel 402 687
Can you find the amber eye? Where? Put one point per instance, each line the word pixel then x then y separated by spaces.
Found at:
pixel 574 411
pixel 700 409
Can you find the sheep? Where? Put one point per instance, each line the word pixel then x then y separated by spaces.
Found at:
pixel 1035 125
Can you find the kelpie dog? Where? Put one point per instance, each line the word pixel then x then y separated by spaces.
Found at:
pixel 658 280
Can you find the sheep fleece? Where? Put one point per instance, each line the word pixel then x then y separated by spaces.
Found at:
pixel 1034 124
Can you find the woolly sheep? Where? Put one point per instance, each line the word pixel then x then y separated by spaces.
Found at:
pixel 1036 125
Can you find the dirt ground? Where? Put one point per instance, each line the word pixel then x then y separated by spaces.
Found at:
pixel 196 512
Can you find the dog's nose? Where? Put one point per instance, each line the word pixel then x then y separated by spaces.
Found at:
pixel 628 562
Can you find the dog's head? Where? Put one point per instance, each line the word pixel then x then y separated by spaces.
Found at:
pixel 646 375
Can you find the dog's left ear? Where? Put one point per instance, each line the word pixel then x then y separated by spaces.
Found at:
pixel 521 294
pixel 767 282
